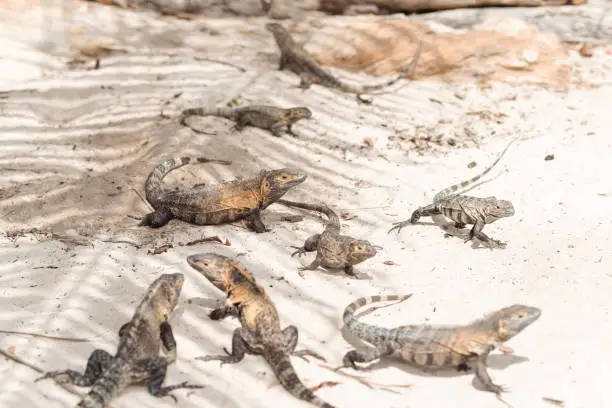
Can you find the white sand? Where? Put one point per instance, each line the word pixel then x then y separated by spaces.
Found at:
pixel 557 258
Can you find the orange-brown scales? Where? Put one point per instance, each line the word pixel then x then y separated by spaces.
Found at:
pixel 436 347
pixel 217 204
pixel 260 332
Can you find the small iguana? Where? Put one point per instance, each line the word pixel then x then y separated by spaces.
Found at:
pixel 464 209
pixel 435 347
pixel 137 359
pixel 271 118
pixel 260 333
pixel 295 58
pixel 218 204
pixel 334 251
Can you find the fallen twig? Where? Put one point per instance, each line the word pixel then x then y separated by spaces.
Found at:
pixel 38 370
pixel 369 384
pixel 324 384
pixel 411 6
pixel 216 238
pixel 44 336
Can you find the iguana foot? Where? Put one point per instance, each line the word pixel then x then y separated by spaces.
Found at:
pixel 299 252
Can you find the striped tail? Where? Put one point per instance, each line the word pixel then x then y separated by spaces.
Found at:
pixel 452 190
pixel 364 331
pixel 153 187
pixel 106 387
pixel 409 70
pixel 229 113
pixel 281 365
pixel 334 221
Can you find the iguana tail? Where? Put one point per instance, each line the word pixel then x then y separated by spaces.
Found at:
pixel 229 113
pixel 106 387
pixel 365 331
pixel 280 363
pixel 334 221
pixel 453 190
pixel 153 186
pixel 407 70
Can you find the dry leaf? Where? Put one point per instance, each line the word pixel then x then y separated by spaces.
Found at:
pixel 389 263
pixel 324 384
pixel 159 250
pixel 553 401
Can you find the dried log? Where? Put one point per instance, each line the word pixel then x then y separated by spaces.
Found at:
pixel 411 6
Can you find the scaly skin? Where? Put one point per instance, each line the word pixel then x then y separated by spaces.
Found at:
pixel 295 58
pixel 434 347
pixel 219 204
pixel 219 271
pixel 137 358
pixel 260 333
pixel 270 118
pixel 465 210
pixel 334 251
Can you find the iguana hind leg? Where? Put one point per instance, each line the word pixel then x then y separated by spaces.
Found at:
pixel 156 219
pixel 243 342
pixel 365 356
pixel 153 370
pixel 98 361
pixel 426 211
pixel 290 336
pixel 309 245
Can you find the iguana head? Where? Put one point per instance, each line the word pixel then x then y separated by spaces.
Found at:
pixel 297 113
pixel 275 183
pixel 360 250
pixel 219 270
pixel 511 320
pixel 497 209
pixel 162 296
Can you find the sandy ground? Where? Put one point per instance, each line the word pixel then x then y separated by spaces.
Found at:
pixel 76 143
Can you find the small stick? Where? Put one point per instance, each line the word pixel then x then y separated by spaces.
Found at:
pixel 43 336
pixel 369 384
pixel 38 370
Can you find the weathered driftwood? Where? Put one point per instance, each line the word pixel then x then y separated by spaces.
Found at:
pixel 410 6
pixel 588 23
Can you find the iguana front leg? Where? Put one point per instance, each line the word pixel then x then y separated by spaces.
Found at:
pixel 483 375
pixel 306 80
pixel 153 370
pixel 277 128
pixel 243 343
pixel 313 265
pixel 169 342
pixel 98 361
pixel 476 231
pixel 222 312
pixel 254 222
